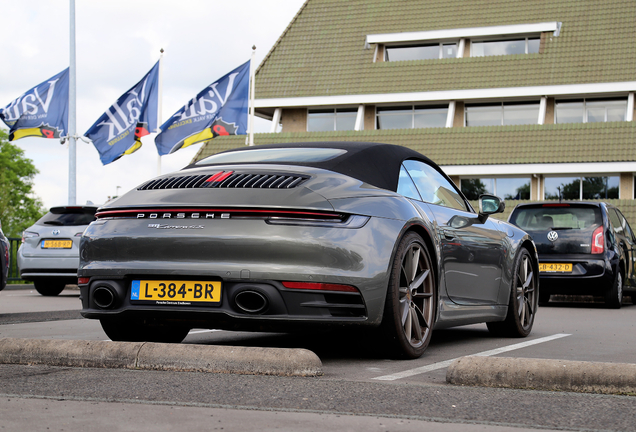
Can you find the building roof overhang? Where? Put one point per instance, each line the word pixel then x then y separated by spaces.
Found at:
pixel 454 34
pixel 484 94
pixel 543 168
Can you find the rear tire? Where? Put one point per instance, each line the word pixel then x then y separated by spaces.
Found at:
pixel 409 310
pixel 49 288
pixel 139 331
pixel 614 295
pixel 522 305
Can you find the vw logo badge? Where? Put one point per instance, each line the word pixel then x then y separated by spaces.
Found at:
pixel 55 232
pixel 553 236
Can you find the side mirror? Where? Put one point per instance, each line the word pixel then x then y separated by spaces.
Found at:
pixel 490 204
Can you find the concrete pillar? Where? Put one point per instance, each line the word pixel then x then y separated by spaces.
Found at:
pixel 549 111
pixel 369 117
pixel 626 189
pixel 294 120
pixel 459 114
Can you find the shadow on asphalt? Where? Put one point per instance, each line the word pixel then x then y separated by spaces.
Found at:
pixel 583 302
pixel 345 344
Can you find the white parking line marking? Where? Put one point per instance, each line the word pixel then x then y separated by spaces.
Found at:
pixel 203 331
pixel 447 363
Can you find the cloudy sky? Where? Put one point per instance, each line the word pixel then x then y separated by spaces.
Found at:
pixel 117 42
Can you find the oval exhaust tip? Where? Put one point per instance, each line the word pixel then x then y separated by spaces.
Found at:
pixel 103 297
pixel 251 301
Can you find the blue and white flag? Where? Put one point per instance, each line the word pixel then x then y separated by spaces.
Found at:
pixel 220 109
pixel 119 130
pixel 40 112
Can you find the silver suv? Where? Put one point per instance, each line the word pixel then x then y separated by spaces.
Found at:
pixel 49 254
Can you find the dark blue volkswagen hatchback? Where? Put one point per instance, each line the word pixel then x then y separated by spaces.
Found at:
pixel 584 248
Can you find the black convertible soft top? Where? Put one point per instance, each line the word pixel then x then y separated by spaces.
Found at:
pixel 373 163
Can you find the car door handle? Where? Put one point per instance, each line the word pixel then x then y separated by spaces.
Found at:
pixel 449 235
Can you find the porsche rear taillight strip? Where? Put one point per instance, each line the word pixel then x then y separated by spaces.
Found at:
pixel 202 212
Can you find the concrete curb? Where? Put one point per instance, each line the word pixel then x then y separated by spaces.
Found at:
pixel 160 356
pixel 542 374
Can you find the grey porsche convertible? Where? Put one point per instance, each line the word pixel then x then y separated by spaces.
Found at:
pixel 307 236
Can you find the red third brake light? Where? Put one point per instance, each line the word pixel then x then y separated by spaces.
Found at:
pixel 598 241
pixel 220 176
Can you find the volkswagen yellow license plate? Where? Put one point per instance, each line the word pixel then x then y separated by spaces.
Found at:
pixel 555 267
pixel 176 293
pixel 57 244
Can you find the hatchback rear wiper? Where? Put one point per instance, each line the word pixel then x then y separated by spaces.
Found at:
pixel 561 228
pixel 53 223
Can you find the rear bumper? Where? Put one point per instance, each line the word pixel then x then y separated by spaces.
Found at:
pixel 243 255
pixel 588 276
pixel 62 269
pixel 280 306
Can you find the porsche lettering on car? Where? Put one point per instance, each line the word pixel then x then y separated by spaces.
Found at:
pixel 298 237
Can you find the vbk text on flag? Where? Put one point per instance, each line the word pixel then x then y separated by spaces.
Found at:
pixel 40 112
pixel 119 130
pixel 219 109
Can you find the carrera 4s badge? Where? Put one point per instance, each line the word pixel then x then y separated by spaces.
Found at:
pixel 176 227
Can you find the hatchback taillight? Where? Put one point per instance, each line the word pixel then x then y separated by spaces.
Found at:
pixel 29 234
pixel 598 241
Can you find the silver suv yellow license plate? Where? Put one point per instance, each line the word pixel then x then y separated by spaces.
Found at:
pixel 176 293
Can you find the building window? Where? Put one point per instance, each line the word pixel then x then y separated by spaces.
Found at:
pixel 420 52
pixel 331 120
pixel 411 117
pixel 502 114
pixel 590 110
pixel 528 45
pixel 510 188
pixel 578 188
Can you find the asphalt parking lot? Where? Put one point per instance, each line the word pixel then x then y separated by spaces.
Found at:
pixel 356 379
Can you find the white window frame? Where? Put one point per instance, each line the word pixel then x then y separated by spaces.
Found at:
pixel 501 105
pixel 593 100
pixel 354 111
pixel 503 31
pixel 580 177
pixel 496 178
pixel 440 49
pixel 503 39
pixel 412 107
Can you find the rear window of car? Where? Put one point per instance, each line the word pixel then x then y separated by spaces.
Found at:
pixel 68 217
pixel 556 217
pixel 287 155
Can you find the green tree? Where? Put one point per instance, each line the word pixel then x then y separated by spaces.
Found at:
pixel 472 188
pixel 19 207
pixel 523 193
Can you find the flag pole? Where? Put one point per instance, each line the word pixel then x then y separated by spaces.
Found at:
pixel 159 99
pixel 252 105
pixel 72 159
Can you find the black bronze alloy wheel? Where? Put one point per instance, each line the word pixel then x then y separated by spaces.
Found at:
pixel 522 306
pixel 409 311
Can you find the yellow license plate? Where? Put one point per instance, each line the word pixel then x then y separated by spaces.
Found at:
pixel 57 244
pixel 555 267
pixel 180 293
